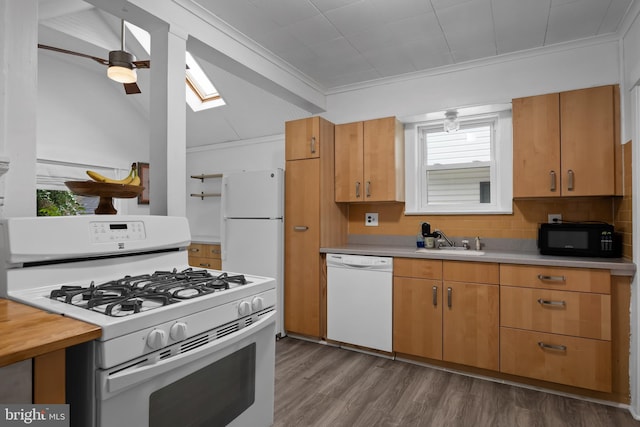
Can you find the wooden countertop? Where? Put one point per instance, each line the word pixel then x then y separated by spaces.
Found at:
pixel 27 332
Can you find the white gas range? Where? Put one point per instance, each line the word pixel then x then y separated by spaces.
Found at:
pixel 178 343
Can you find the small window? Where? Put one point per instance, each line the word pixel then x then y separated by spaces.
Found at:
pixel 467 170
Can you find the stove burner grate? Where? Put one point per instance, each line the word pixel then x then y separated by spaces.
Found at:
pixel 134 294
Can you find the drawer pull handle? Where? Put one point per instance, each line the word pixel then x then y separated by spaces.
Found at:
pixel 435 296
pixel 300 228
pixel 194 250
pixel 551 303
pixel 551 278
pixel 552 346
pixel 449 297
pixel 202 264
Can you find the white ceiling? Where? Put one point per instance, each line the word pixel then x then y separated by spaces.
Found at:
pixel 343 42
pixel 340 43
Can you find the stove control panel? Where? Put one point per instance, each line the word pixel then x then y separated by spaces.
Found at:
pixel 116 231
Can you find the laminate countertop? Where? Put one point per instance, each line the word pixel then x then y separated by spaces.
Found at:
pixel 27 332
pixel 617 266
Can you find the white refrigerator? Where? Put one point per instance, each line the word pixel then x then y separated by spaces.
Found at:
pixel 252 229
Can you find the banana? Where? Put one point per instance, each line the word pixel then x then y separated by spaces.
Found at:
pixel 126 181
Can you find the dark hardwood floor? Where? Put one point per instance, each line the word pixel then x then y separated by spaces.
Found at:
pixel 320 385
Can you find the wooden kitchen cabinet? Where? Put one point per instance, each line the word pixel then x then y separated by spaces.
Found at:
pixel 369 161
pixel 303 137
pixel 556 325
pixel 471 314
pixel 312 220
pixel 417 307
pixel 205 256
pixel 564 143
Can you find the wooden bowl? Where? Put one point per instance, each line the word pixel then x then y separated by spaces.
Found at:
pixel 106 192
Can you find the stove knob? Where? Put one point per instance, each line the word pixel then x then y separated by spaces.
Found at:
pixel 257 303
pixel 244 308
pixel 157 339
pixel 178 331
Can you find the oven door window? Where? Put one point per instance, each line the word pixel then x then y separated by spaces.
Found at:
pixel 213 396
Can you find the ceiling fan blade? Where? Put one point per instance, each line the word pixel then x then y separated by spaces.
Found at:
pixel 142 64
pixel 70 52
pixel 131 88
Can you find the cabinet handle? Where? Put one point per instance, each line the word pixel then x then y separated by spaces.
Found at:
pixel 552 185
pixel 357 189
pixel 449 295
pixel 570 175
pixel 551 303
pixel 551 278
pixel 216 251
pixel 552 346
pixel 313 145
pixel 202 264
pixel 300 228
pixel 368 189
pixel 194 250
pixel 435 296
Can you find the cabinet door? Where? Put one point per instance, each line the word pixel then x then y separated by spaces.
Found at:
pixel 302 244
pixel 383 157
pixel 302 138
pixel 417 317
pixel 471 324
pixel 588 141
pixel 536 146
pixel 349 172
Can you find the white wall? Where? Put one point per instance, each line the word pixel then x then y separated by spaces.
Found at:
pixel 85 119
pixel 567 67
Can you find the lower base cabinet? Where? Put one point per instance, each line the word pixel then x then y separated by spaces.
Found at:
pixel 205 256
pixel 563 359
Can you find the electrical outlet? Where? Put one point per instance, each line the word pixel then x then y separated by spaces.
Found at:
pixel 554 218
pixel 371 219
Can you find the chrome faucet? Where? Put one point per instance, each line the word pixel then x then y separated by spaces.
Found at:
pixel 443 237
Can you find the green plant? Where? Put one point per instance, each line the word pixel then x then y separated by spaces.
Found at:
pixel 58 203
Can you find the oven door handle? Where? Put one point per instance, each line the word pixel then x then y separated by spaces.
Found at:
pixel 127 378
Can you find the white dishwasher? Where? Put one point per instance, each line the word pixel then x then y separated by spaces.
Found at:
pixel 360 300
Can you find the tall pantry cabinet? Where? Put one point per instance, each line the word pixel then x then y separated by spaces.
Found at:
pixel 312 220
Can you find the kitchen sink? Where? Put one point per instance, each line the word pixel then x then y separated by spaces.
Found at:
pixel 451 251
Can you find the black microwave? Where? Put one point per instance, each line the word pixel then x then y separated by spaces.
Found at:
pixel 579 239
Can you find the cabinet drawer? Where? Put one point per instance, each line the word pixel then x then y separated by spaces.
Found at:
pixel 578 362
pixel 212 263
pixel 475 272
pixel 205 250
pixel 570 313
pixel 419 268
pixel 567 279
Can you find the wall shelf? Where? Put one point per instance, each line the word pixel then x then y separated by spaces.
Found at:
pixel 203 176
pixel 203 195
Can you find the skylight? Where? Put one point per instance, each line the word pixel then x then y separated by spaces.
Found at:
pixel 201 94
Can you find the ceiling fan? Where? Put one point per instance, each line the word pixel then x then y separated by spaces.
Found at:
pixel 122 65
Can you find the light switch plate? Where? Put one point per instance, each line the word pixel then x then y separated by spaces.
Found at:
pixel 371 219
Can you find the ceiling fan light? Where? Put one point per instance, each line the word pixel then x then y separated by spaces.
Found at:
pixel 122 74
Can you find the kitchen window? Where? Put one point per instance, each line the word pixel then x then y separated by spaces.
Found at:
pixel 466 171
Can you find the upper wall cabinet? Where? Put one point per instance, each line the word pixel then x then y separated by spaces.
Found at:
pixel 369 161
pixel 564 143
pixel 302 139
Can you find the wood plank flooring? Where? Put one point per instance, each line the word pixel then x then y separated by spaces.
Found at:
pixel 320 385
